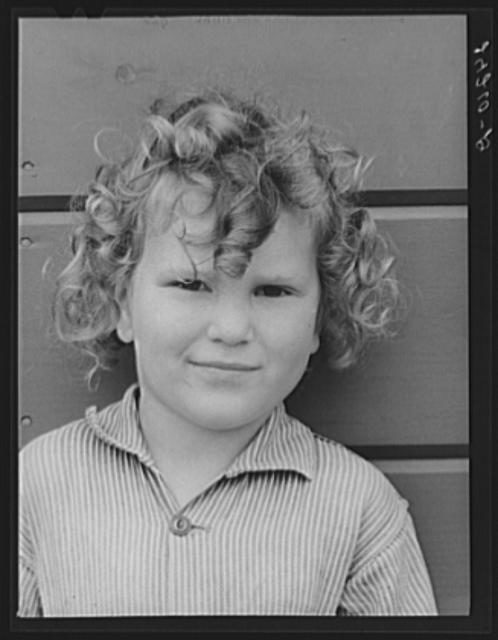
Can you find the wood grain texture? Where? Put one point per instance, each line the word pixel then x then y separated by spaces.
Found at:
pixel 409 391
pixel 392 86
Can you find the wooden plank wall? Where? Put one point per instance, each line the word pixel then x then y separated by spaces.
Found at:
pixel 405 406
pixel 393 86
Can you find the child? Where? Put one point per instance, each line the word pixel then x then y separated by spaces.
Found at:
pixel 226 248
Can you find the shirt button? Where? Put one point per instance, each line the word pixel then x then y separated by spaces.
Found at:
pixel 180 525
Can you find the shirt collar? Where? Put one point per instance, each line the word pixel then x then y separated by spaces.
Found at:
pixel 282 443
pixel 118 424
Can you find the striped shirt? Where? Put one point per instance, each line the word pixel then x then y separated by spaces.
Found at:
pixel 296 525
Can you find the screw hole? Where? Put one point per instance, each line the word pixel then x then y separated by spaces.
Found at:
pixel 26 421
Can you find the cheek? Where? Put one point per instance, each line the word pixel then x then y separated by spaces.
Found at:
pixel 293 336
pixel 164 325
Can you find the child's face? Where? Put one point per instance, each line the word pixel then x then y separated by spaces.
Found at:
pixel 221 352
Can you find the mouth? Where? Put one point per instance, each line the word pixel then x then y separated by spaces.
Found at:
pixel 224 366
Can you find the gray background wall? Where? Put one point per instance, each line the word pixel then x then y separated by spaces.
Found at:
pixel 395 87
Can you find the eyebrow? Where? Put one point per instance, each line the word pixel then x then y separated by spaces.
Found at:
pixel 193 269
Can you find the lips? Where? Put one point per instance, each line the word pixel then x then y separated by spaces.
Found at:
pixel 224 366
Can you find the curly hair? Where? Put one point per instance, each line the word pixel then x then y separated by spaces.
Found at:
pixel 251 162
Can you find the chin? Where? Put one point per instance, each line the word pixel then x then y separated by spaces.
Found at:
pixel 226 415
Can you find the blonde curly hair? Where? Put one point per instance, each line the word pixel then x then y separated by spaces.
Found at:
pixel 251 161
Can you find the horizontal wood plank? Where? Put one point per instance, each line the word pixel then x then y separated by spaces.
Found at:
pixel 411 391
pixel 80 76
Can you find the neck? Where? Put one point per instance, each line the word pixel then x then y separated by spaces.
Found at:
pixel 180 447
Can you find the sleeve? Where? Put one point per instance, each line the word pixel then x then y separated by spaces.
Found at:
pixel 388 575
pixel 29 597
pixel 29 601
pixel 393 583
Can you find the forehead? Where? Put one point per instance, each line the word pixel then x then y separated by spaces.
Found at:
pixel 174 198
pixel 288 253
pixel 181 210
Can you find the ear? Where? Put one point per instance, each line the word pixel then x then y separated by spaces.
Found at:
pixel 124 327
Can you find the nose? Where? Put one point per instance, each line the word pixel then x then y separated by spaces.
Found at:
pixel 230 321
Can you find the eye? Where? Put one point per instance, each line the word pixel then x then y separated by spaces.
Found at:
pixel 273 291
pixel 190 285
